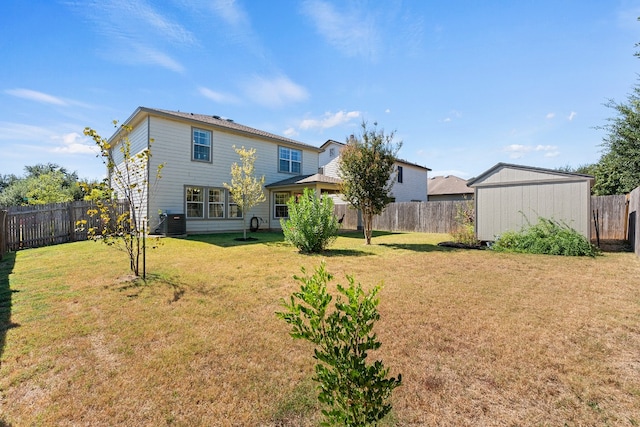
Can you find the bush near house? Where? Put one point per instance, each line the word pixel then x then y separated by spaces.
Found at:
pixel 311 226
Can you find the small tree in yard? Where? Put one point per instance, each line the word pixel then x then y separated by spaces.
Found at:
pixel 129 181
pixel 366 166
pixel 311 226
pixel 245 188
pixel 355 391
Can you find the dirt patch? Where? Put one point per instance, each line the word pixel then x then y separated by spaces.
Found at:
pixel 614 246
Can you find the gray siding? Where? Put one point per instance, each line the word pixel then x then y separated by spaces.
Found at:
pixel 512 199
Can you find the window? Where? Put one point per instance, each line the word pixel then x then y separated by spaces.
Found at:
pixel 216 203
pixel 234 209
pixel 210 202
pixel 332 152
pixel 400 174
pixel 195 202
pixel 201 145
pixel 280 209
pixel 290 160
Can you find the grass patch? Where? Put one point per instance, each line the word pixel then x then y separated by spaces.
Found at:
pixel 481 338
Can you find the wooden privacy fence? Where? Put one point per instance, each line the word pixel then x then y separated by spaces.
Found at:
pixel 44 225
pixel 611 215
pixel 424 217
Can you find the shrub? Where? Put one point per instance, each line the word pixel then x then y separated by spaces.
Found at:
pixel 546 237
pixel 311 226
pixel 356 392
pixel 464 231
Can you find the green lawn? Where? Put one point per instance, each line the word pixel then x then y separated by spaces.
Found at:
pixel 480 338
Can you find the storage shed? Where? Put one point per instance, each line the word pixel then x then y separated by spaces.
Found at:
pixel 509 197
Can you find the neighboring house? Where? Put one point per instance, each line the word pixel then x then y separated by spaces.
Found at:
pixel 410 179
pixel 510 197
pixel 449 187
pixel 197 152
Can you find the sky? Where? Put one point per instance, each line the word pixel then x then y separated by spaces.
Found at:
pixel 463 84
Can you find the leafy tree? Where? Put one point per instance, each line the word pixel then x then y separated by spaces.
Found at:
pixel 618 171
pixel 42 184
pixel 356 392
pixel 128 181
pixel 246 190
pixel 312 225
pixel 6 181
pixel 366 167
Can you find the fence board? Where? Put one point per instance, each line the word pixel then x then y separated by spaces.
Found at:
pixel 3 234
pixel 634 220
pixel 612 217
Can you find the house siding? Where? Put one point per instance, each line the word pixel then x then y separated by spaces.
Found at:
pixel 172 146
pixel 413 187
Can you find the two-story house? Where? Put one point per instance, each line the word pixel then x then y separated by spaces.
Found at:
pixel 409 179
pixel 197 152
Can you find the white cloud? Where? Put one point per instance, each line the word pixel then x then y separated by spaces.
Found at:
pixel 149 55
pixel 290 132
pixel 36 96
pixel 230 12
pixel 222 98
pixel 353 32
pixel 388 110
pixel 550 115
pixel 572 115
pixel 73 143
pixel 330 120
pixel 518 151
pixel 135 31
pixel 275 92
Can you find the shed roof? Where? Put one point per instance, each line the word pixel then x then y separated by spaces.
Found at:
pixel 450 184
pixel 474 182
pixel 216 122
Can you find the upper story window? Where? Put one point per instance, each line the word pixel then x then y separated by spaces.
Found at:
pixel 332 152
pixel 399 174
pixel 290 160
pixel 201 145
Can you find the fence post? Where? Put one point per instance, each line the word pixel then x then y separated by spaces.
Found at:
pixel 4 231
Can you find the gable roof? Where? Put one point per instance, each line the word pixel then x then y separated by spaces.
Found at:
pixel 450 184
pixel 333 141
pixel 474 181
pixel 216 122
pixel 305 179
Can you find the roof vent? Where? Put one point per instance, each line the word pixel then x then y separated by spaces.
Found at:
pixel 230 120
pixel 216 117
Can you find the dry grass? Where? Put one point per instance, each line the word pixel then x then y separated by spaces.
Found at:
pixel 480 338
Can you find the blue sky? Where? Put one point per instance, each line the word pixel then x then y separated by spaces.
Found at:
pixel 465 84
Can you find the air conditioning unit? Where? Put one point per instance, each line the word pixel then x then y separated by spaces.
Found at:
pixel 172 225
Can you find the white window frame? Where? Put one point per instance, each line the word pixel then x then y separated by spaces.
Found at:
pixel 285 154
pixel 193 201
pixel 278 203
pixel 197 142
pixel 221 202
pixel 233 209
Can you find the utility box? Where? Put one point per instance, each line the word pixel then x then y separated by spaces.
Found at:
pixel 172 225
